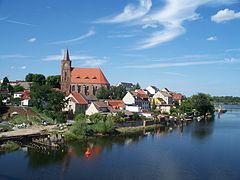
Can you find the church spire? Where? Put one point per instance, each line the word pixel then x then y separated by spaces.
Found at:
pixel 66 56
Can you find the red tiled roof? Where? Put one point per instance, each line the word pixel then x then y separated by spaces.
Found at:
pixel 26 95
pixel 88 76
pixel 178 96
pixel 79 98
pixel 115 104
pixel 140 93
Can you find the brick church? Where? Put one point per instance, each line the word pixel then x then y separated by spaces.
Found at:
pixel 82 80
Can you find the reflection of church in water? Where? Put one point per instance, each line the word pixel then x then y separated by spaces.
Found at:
pixel 82 80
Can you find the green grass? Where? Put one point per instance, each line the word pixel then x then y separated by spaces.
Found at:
pixel 9 146
pixel 30 119
pixel 131 130
pixel 5 127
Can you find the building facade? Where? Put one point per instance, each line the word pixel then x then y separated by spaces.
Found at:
pixel 82 80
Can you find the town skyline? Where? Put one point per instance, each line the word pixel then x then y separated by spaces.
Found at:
pixel 162 47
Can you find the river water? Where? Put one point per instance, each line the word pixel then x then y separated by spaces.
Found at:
pixel 199 151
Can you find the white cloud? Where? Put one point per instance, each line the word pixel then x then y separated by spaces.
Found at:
pixel 225 15
pixel 121 36
pixel 32 40
pixel 13 56
pixel 90 61
pixel 23 67
pixel 233 50
pixel 164 23
pixel 212 38
pixel 182 64
pixel 90 33
pixel 6 19
pixel 94 62
pixel 130 12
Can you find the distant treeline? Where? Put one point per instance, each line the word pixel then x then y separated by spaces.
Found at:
pixel 226 100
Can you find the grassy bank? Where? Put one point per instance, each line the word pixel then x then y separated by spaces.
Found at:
pixel 137 129
pixel 9 146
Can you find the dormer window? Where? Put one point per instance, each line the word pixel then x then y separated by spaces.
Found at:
pixel 86 77
pixel 78 77
pixel 94 77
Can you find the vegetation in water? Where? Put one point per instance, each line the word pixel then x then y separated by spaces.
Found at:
pixel 9 146
pixel 86 126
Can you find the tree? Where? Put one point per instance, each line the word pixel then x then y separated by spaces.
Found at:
pixel 186 106
pixel 136 86
pixel 102 93
pixel 118 92
pixel 5 83
pixel 29 77
pixel 18 88
pixel 202 103
pixel 36 78
pixel 1 104
pixel 53 81
pixel 39 95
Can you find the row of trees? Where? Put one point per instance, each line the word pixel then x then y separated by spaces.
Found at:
pixel 226 100
pixel 53 81
pixel 114 92
pixel 202 103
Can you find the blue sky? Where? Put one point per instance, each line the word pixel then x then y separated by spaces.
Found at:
pixel 188 46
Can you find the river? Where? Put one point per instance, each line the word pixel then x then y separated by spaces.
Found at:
pixel 199 151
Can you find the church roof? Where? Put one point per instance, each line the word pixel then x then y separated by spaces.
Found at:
pixel 66 56
pixel 88 76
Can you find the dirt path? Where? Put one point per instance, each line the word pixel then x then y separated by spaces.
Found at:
pixel 28 131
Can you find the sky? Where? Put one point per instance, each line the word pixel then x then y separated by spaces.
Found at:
pixel 188 46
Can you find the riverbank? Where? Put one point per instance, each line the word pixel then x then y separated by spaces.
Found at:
pixel 137 129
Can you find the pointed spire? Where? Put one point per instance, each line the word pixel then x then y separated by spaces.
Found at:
pixel 66 56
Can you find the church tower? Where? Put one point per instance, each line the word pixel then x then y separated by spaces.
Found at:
pixel 66 72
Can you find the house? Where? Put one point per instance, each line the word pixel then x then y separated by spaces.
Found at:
pixel 147 114
pixel 165 90
pixel 98 107
pixel 76 102
pixel 115 104
pixel 25 98
pixel 18 95
pixel 178 97
pixel 165 96
pixel 152 90
pixel 82 80
pixel 127 85
pixel 136 101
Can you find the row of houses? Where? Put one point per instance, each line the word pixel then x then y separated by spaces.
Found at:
pixel 139 101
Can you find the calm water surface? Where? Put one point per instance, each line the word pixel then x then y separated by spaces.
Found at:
pixel 200 151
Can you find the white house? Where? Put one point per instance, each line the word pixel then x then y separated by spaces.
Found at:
pixel 165 96
pixel 135 100
pixel 25 98
pixel 76 102
pixel 152 90
pixel 18 95
pixel 98 107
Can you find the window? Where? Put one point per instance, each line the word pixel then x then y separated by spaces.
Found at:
pixel 65 76
pixel 73 88
pixel 79 89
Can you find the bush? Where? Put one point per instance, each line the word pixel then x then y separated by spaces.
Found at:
pixel 9 146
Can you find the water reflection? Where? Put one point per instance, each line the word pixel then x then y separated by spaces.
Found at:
pixel 203 129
